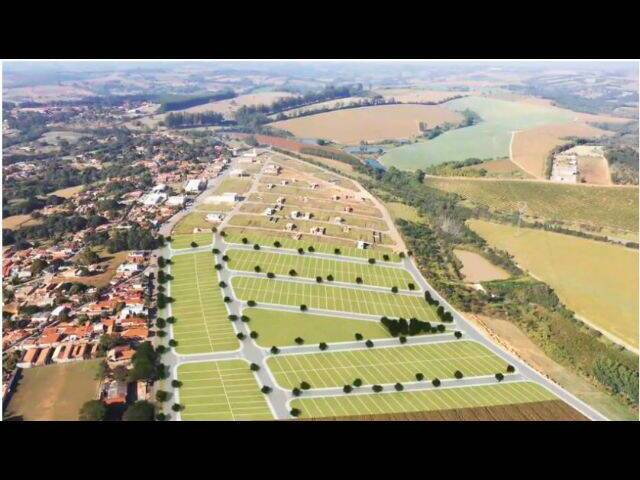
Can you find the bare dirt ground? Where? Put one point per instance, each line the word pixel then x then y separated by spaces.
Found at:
pixel 594 170
pixel 479 269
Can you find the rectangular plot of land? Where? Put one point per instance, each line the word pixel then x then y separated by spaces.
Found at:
pixel 202 319
pixel 424 400
pixel 325 297
pixel 222 390
pixel 310 267
pixel 184 240
pixel 385 365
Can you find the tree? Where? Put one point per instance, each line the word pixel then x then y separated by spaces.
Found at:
pixel 385 257
pixel 358 280
pixel 457 334
pixel 301 251
pixel 293 273
pixel 323 346
pixel 93 411
pixel 266 389
pixel 305 385
pixel 162 396
pixel 245 240
pixel 120 373
pixel 222 285
pixel 435 382
pixel 215 251
pixel 402 339
pixel 254 367
pixel 140 411
pixel 193 244
pixel 253 334
pixel 176 383
pixel 232 317
pixel 369 344
pixel 357 382
pixel 303 307
pixel 256 247
pixel 311 249
pixel 372 261
pixel 419 377
pixel 319 279
pixel 173 343
pixel 251 303
pixel 295 412
pixel 87 257
pixel 218 266
pixel 271 275
pixel 241 336
pixel 377 388
pixel 411 286
pixel 337 251
pixel 257 269
pixel 511 368
pixel 176 407
pixel 171 319
pixel 245 319
pixel 161 417
pixel 274 350
pixel 277 244
pixel 394 289
pixel 161 322
pixel 330 278
pixel 399 387
pixel 499 376
pixel 347 389
pixel 296 392
pixel 225 258
pixel 458 374
pixel 299 340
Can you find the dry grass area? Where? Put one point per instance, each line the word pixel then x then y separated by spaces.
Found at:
pixel 68 192
pixel 400 210
pixel 110 260
pixel 594 170
pixel 550 410
pixel 508 335
pixel 53 392
pixel 416 95
pixel 368 123
pixel 502 167
pixel 14 222
pixel 477 269
pixel 530 148
pixel 230 106
pixel 236 185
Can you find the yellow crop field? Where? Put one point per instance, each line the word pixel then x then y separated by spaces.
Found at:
pixel 369 123
pixel 597 280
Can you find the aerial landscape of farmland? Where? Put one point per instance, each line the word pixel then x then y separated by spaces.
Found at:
pixel 212 241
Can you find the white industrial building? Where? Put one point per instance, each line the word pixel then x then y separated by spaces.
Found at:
pixel 176 201
pixel 195 185
pixel 154 198
pixel 228 197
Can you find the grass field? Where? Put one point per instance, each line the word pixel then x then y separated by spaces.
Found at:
pixel 385 365
pixel 282 328
pixel 202 318
pixel 544 200
pixel 405 212
pixel 191 221
pixel 228 107
pixel 321 296
pixel 236 185
pixel 54 392
pixel 15 222
pixel 68 192
pixel 416 95
pixel 425 400
pixel 289 243
pixel 376 123
pixel 310 267
pixel 223 390
pixel 487 139
pixel 184 241
pixel 599 281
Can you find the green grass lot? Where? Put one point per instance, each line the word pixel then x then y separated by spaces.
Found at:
pixel 321 296
pixel 405 212
pixel 54 392
pixel 338 207
pixel 614 207
pixel 223 390
pixel 488 139
pixel 184 241
pixel 281 328
pixel 320 215
pixel 305 226
pixel 310 267
pixel 599 281
pixel 291 244
pixel 424 400
pixel 385 365
pixel 237 185
pixel 202 325
pixel 191 221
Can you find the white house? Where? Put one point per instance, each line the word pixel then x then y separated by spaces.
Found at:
pixel 176 201
pixel 195 185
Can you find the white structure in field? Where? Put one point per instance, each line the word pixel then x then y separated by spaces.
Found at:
pixel 154 199
pixel 362 245
pixel 238 172
pixel 176 201
pixel 195 185
pixel 215 217
pixel 227 197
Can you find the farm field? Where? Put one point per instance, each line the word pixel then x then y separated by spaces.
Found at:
pixel 594 170
pixel 54 392
pixel 308 266
pixel 222 390
pixel 477 268
pixel 591 205
pixel 599 281
pixel 502 167
pixel 191 221
pixel 372 124
pixel 321 296
pixel 202 323
pixel 417 95
pixel 320 105
pixel 547 410
pixel 228 107
pixel 282 328
pixel 184 241
pixel 287 242
pixel 532 146
pixel 424 400
pixel 385 365
pixel 488 139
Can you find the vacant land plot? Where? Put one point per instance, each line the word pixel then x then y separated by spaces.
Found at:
pixel 190 222
pixel 309 266
pixel 550 201
pixel 599 281
pixel 385 365
pixel 425 400
pixel 594 170
pixel 336 206
pixel 223 390
pixel 531 147
pixel 476 268
pixel 55 137
pixel 54 392
pixel 548 410
pixel 110 261
pixel 368 123
pixel 237 185
pixel 282 328
pixel 405 212
pixel 184 241
pixel 286 242
pixel 333 298
pixel 202 319
pixel 488 139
